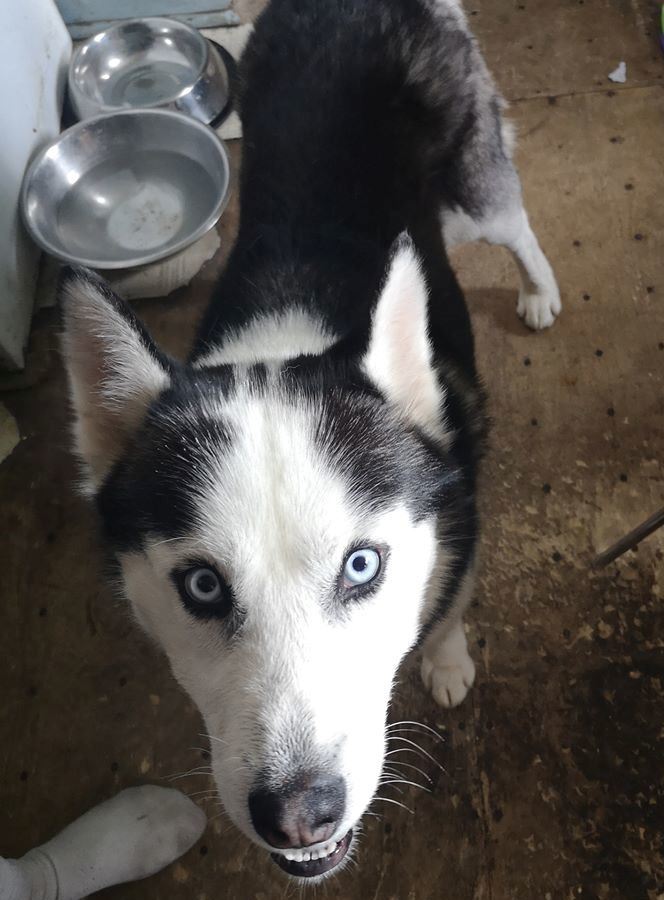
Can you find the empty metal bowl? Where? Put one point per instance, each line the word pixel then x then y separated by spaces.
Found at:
pixel 148 63
pixel 126 189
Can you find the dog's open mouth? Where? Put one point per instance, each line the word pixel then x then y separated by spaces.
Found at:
pixel 308 864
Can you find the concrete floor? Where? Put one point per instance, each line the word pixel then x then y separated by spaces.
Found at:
pixel 554 766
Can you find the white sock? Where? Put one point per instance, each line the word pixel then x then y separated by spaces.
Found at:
pixel 14 883
pixel 137 833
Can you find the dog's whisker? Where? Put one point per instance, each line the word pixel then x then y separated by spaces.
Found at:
pixel 397 789
pixel 401 733
pixel 218 816
pixel 353 863
pixel 201 770
pixel 406 750
pixel 406 765
pixel 374 815
pixel 170 541
pixel 392 778
pixel 396 803
pixel 397 728
pixel 413 722
pixel 229 825
pixel 209 793
pixel 401 750
pixel 398 779
pixel 200 750
pixel 172 778
pixel 416 784
pixel 422 751
pixel 395 735
pixel 187 793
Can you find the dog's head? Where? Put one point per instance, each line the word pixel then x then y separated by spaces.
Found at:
pixel 276 527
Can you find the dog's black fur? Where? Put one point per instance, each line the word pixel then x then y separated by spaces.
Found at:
pixel 359 117
pixel 355 114
pixel 345 146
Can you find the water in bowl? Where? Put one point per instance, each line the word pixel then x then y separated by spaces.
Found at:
pixel 142 202
pixel 148 84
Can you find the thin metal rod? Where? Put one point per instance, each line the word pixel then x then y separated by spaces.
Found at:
pixel 629 541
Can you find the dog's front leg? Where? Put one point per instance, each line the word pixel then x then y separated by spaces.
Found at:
pixel 447 668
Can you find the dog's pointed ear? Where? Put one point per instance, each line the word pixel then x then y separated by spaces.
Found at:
pixel 115 370
pixel 399 357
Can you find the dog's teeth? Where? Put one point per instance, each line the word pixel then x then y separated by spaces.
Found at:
pixel 325 850
pixel 300 856
pixel 297 856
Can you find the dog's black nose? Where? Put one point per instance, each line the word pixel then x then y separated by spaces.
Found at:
pixel 305 813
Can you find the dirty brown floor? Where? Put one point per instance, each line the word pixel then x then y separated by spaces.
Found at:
pixel 554 766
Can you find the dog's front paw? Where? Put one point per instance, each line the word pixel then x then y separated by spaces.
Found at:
pixel 539 311
pixel 448 674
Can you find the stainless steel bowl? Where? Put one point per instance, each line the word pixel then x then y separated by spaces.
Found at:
pixel 148 63
pixel 126 189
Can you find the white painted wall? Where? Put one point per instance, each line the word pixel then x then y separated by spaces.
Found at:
pixel 34 51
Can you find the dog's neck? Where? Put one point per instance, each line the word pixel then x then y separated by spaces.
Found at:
pixel 273 337
pixel 285 294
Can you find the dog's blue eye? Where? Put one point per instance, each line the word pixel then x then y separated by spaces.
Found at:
pixel 204 592
pixel 202 585
pixel 361 567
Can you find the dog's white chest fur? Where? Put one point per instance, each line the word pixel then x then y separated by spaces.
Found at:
pixel 282 336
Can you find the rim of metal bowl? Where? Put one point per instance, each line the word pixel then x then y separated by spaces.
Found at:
pixel 156 255
pixel 74 89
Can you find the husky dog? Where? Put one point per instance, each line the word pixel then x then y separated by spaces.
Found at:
pixel 293 509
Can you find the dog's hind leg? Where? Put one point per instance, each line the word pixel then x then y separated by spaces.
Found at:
pixel 539 297
pixel 447 668
pixel 490 208
pixel 479 188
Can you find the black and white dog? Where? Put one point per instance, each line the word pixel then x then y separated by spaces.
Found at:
pixel 293 509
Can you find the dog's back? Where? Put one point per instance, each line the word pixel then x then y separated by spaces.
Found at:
pixel 351 109
pixel 354 115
